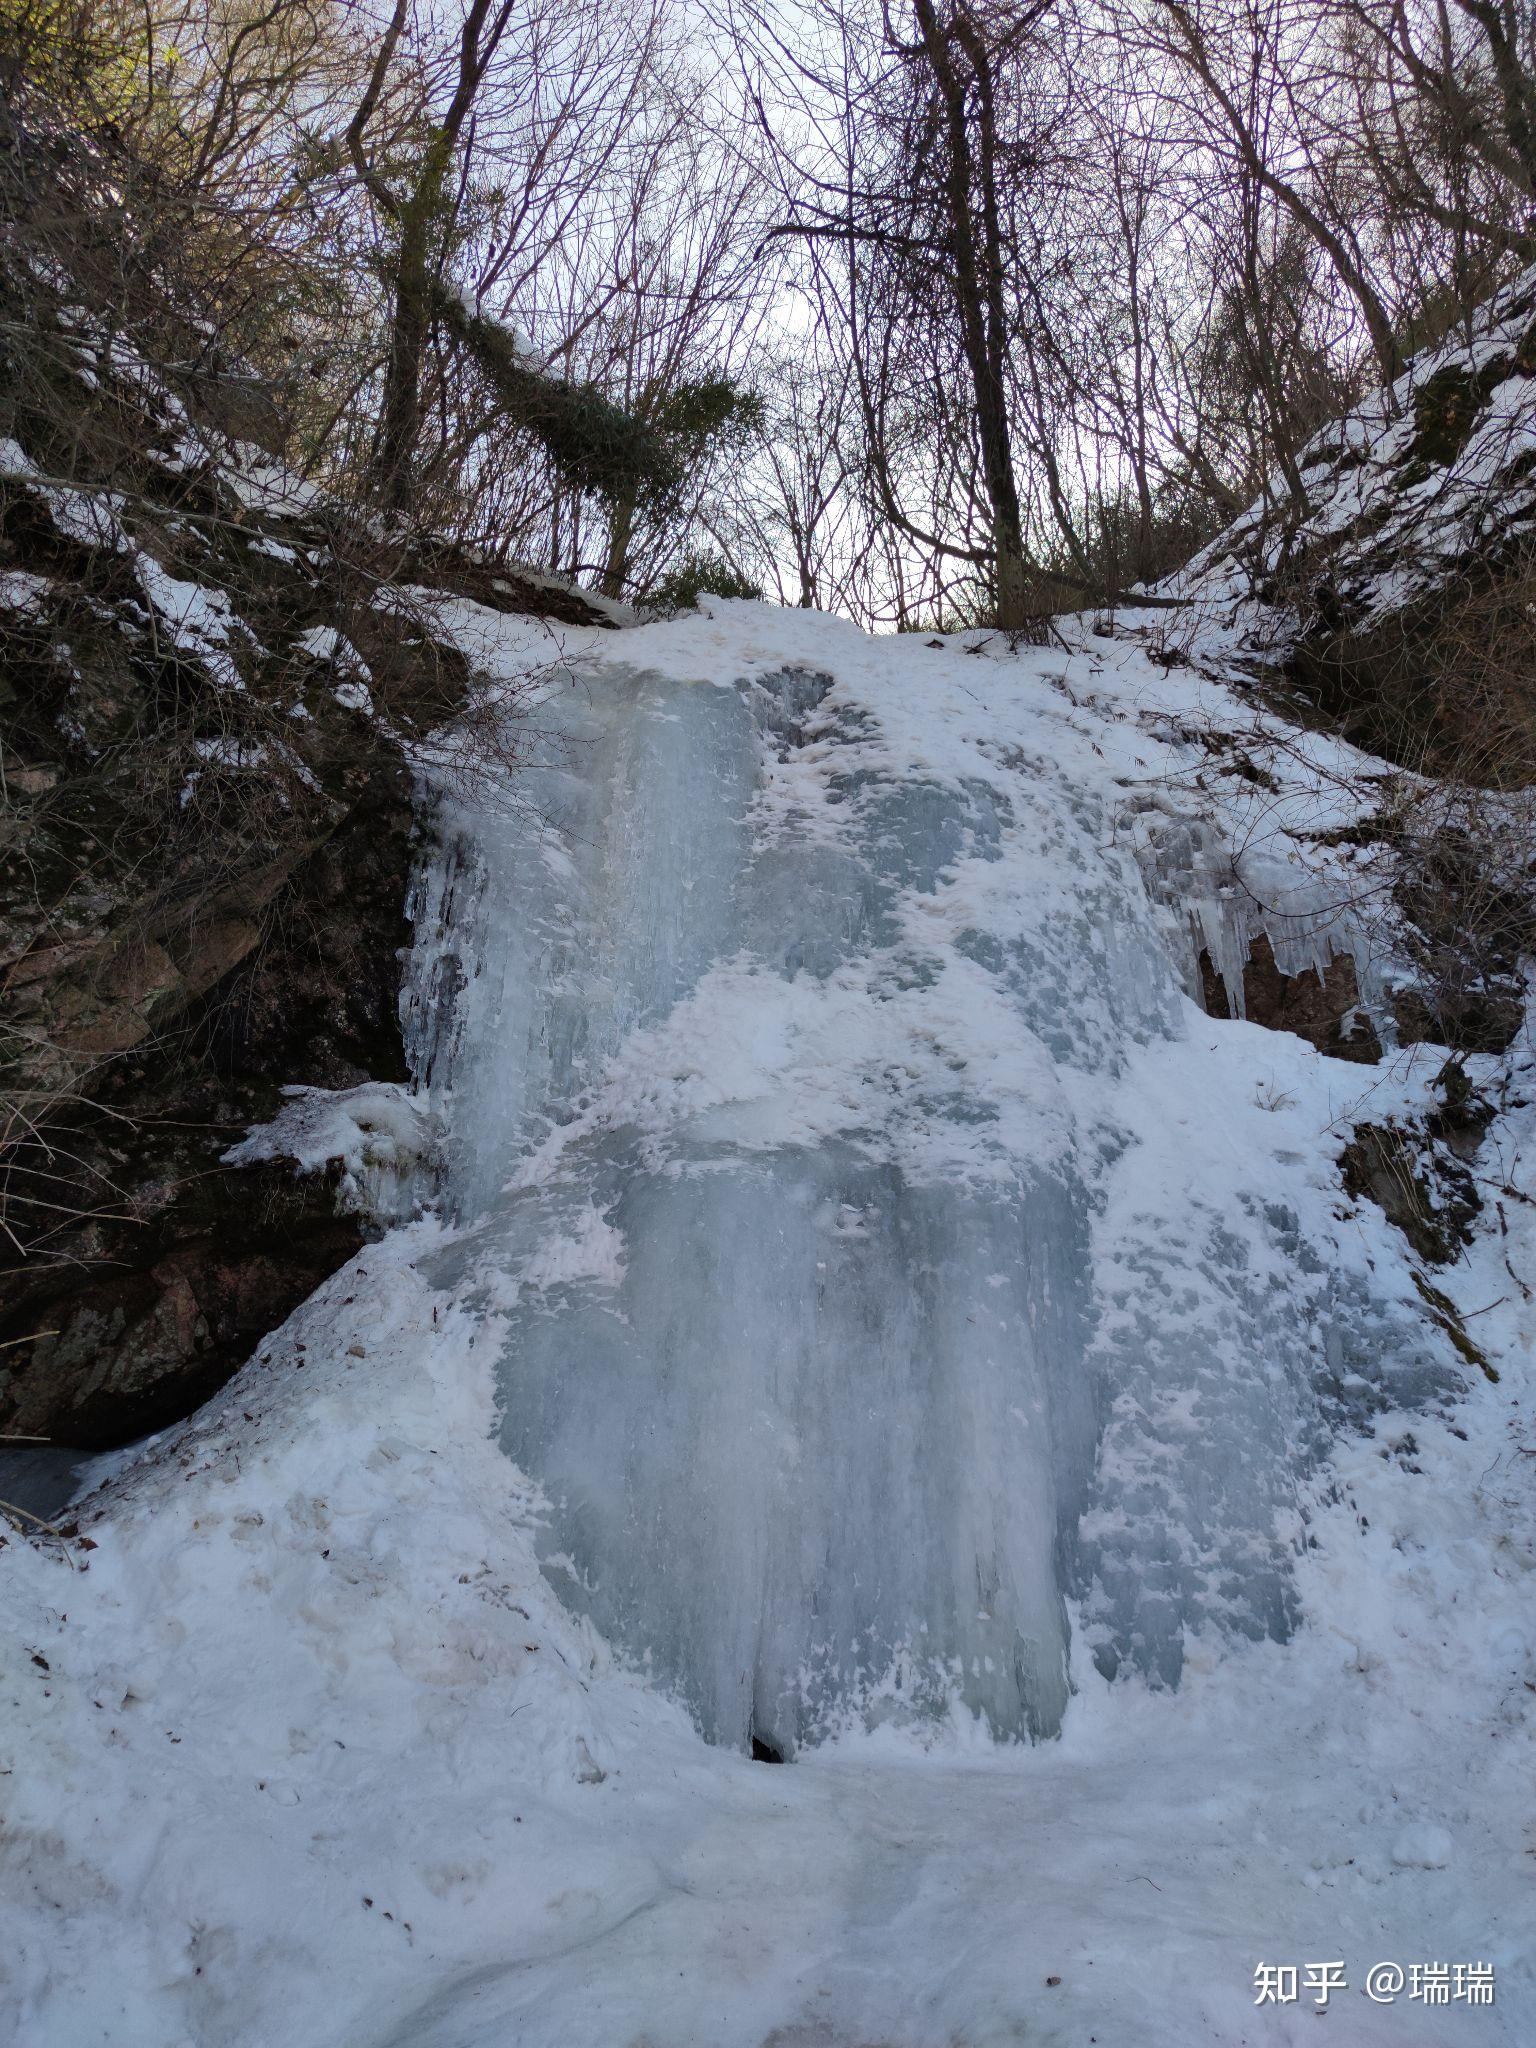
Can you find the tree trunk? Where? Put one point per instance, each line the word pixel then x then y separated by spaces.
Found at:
pixel 620 531
pixel 416 287
pixel 400 425
pixel 978 301
pixel 1012 577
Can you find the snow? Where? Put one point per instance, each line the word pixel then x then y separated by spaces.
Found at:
pixel 227 752
pixel 522 348
pixel 321 1747
pixel 1422 1846
pixel 1390 509
pixel 325 644
pixel 375 1135
pixel 21 591
pixel 198 619
pixel 264 484
pixel 263 544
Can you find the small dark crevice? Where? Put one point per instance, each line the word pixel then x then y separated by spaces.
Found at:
pixel 764 1752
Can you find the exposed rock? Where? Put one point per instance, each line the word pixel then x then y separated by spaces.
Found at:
pixel 1388 1165
pixel 1418 1175
pixel 179 1263
pixel 1463 1019
pixel 1465 893
pixel 209 681
pixel 501 586
pixel 138 1346
pixel 1462 1120
pixel 1324 1009
pixel 1445 1315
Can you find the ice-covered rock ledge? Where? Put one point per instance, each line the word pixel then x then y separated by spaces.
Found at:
pixel 377 1139
pixel 304 1747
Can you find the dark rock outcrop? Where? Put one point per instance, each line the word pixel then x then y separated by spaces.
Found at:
pixel 210 681
pixel 173 1264
pixel 1417 1172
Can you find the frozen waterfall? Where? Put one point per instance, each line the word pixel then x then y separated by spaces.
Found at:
pixel 797 1041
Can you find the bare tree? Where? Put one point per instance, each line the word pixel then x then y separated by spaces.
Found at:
pixel 924 141
pixel 420 212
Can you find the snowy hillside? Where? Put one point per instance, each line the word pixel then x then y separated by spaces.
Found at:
pixel 1429 483
pixel 863 1308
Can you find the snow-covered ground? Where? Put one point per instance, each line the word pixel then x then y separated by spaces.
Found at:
pixel 1407 494
pixel 302 1748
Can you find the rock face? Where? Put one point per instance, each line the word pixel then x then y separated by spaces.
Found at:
pixel 1323 1008
pixel 210 678
pixel 177 1262
pixel 137 1349
pixel 1426 1192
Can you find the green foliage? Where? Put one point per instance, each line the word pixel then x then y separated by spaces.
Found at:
pixel 711 415
pixel 699 576
pixel 712 409
pixel 594 444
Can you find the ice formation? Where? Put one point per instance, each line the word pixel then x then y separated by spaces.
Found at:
pixel 375 1137
pixel 803 1058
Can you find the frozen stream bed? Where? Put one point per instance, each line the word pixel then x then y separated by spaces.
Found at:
pixel 867 1311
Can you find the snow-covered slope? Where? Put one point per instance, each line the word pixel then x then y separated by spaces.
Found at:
pixel 840 1172
pixel 1427 482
